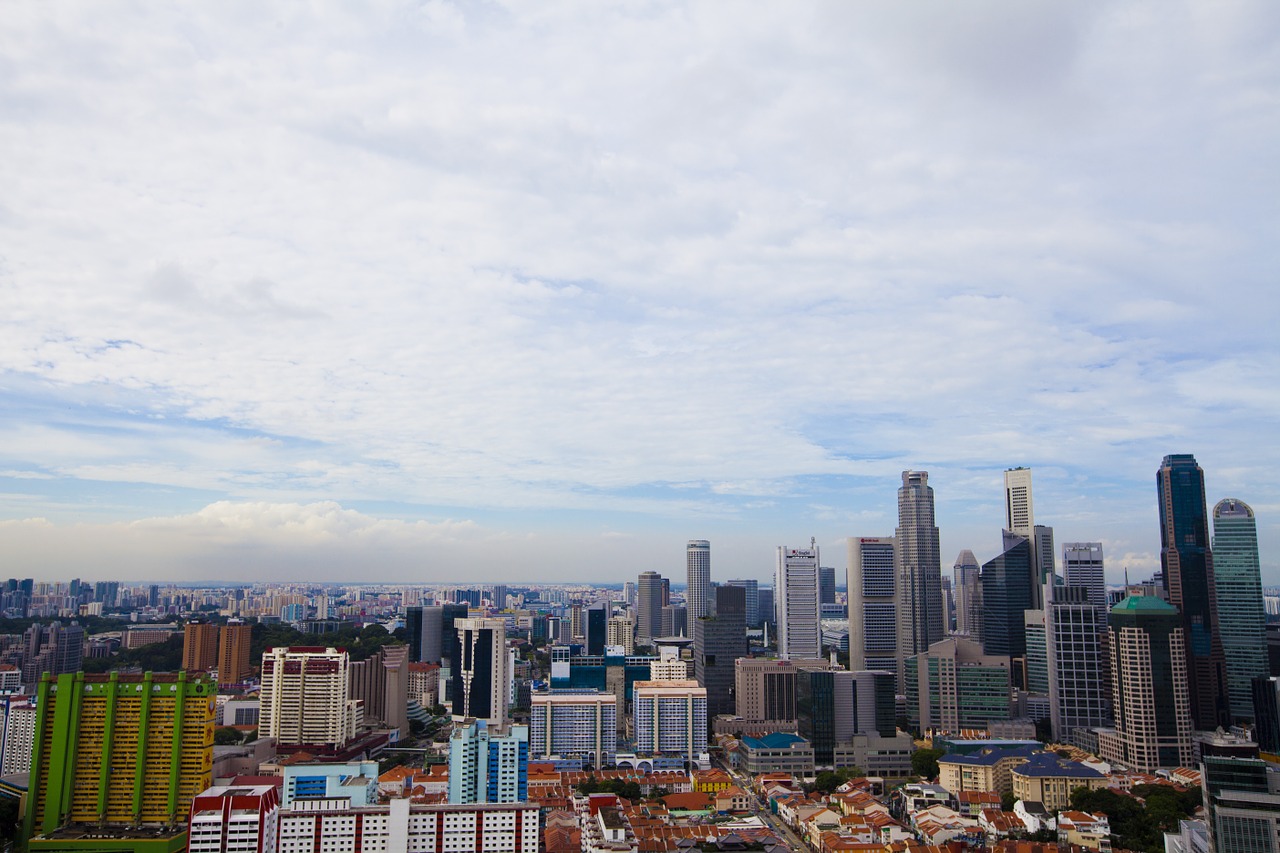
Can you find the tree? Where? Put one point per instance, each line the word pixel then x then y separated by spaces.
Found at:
pixel 226 736
pixel 1008 801
pixel 924 762
pixel 827 781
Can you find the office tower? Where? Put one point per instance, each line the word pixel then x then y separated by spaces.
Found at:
pixel 577 629
pixel 1082 565
pixel 381 683
pixel 968 586
pixel 826 585
pixel 119 755
pixel 498 596
pixel 200 647
pixel 953 685
pixel 622 632
pixel 480 686
pixel 919 569
pixel 765 689
pixel 670 718
pixel 697 597
pixel 648 607
pixel 718 641
pixel 1149 691
pixel 873 616
pixel 488 763
pixel 1019 513
pixel 305 698
pixel 240 818
pixel 1187 565
pixel 1043 570
pixel 447 651
pixel 1077 696
pixel 833 705
pixel 675 621
pixel 233 652
pixel 1243 804
pixel 948 605
pixel 1241 618
pixel 595 624
pixel 765 607
pixel 752 588
pixel 1266 714
pixel 574 724
pixel 413 631
pixel 795 581
pixel 1006 592
pixel 1036 668
pixel 629 594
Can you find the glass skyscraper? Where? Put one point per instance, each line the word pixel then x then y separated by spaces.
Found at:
pixel 1241 619
pixel 1187 564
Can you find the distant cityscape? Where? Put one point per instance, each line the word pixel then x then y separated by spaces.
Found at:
pixel 1015 700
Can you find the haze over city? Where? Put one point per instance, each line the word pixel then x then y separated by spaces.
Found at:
pixel 433 292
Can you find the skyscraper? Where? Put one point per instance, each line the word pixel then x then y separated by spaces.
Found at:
pixel 968 586
pixel 1042 562
pixel 648 607
pixel 488 763
pixel 718 641
pixel 1076 687
pixel 480 686
pixel 305 698
pixel 920 620
pixel 233 652
pixel 1006 593
pixel 154 730
pixel 873 608
pixel 670 718
pixel 752 587
pixel 1243 621
pixel 1082 565
pixel 698 565
pixel 1019 513
pixel 199 646
pixel 1149 686
pixel 795 582
pixel 1187 564
pixel 826 585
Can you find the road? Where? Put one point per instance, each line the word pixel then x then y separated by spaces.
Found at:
pixel 776 823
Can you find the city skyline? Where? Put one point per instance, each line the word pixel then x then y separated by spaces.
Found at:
pixel 400 291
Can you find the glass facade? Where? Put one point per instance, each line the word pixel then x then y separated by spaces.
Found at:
pixel 1237 574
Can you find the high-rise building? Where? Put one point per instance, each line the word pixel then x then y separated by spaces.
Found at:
pixel 1242 796
pixel 480 686
pixel 968 586
pixel 488 763
pixel 1077 697
pixel 1242 620
pixel 826 585
pixel 155 731
pixel 670 718
pixel 20 717
pixel 920 620
pixel 1036 668
pixel 622 632
pixel 54 648
pixel 833 705
pixel 399 824
pixel 234 640
pixel 1187 565
pixel 200 647
pixel 765 689
pixel 953 685
pixel 648 607
pixel 675 621
pixel 629 594
pixel 1266 714
pixel 574 724
pixel 1149 690
pixel 718 641
pixel 765 603
pixel 795 582
pixel 873 604
pixel 305 698
pixel 596 627
pixel 1082 565
pixel 381 684
pixel 1006 593
pixel 1043 569
pixel 752 588
pixel 414 632
pixel 240 818
pixel 697 596
pixel 1019 512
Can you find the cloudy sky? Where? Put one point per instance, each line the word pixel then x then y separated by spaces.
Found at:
pixel 425 291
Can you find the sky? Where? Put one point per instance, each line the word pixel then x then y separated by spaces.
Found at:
pixel 433 292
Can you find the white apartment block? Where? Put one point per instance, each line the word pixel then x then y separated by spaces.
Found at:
pixel 19 735
pixel 670 718
pixel 574 723
pixel 304 698
pixel 234 819
pixel 330 826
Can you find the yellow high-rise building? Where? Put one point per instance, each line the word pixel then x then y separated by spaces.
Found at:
pixel 119 750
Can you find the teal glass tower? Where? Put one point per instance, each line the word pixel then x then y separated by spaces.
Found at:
pixel 1187 561
pixel 1241 619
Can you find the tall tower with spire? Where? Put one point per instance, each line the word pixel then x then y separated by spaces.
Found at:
pixel 919 570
